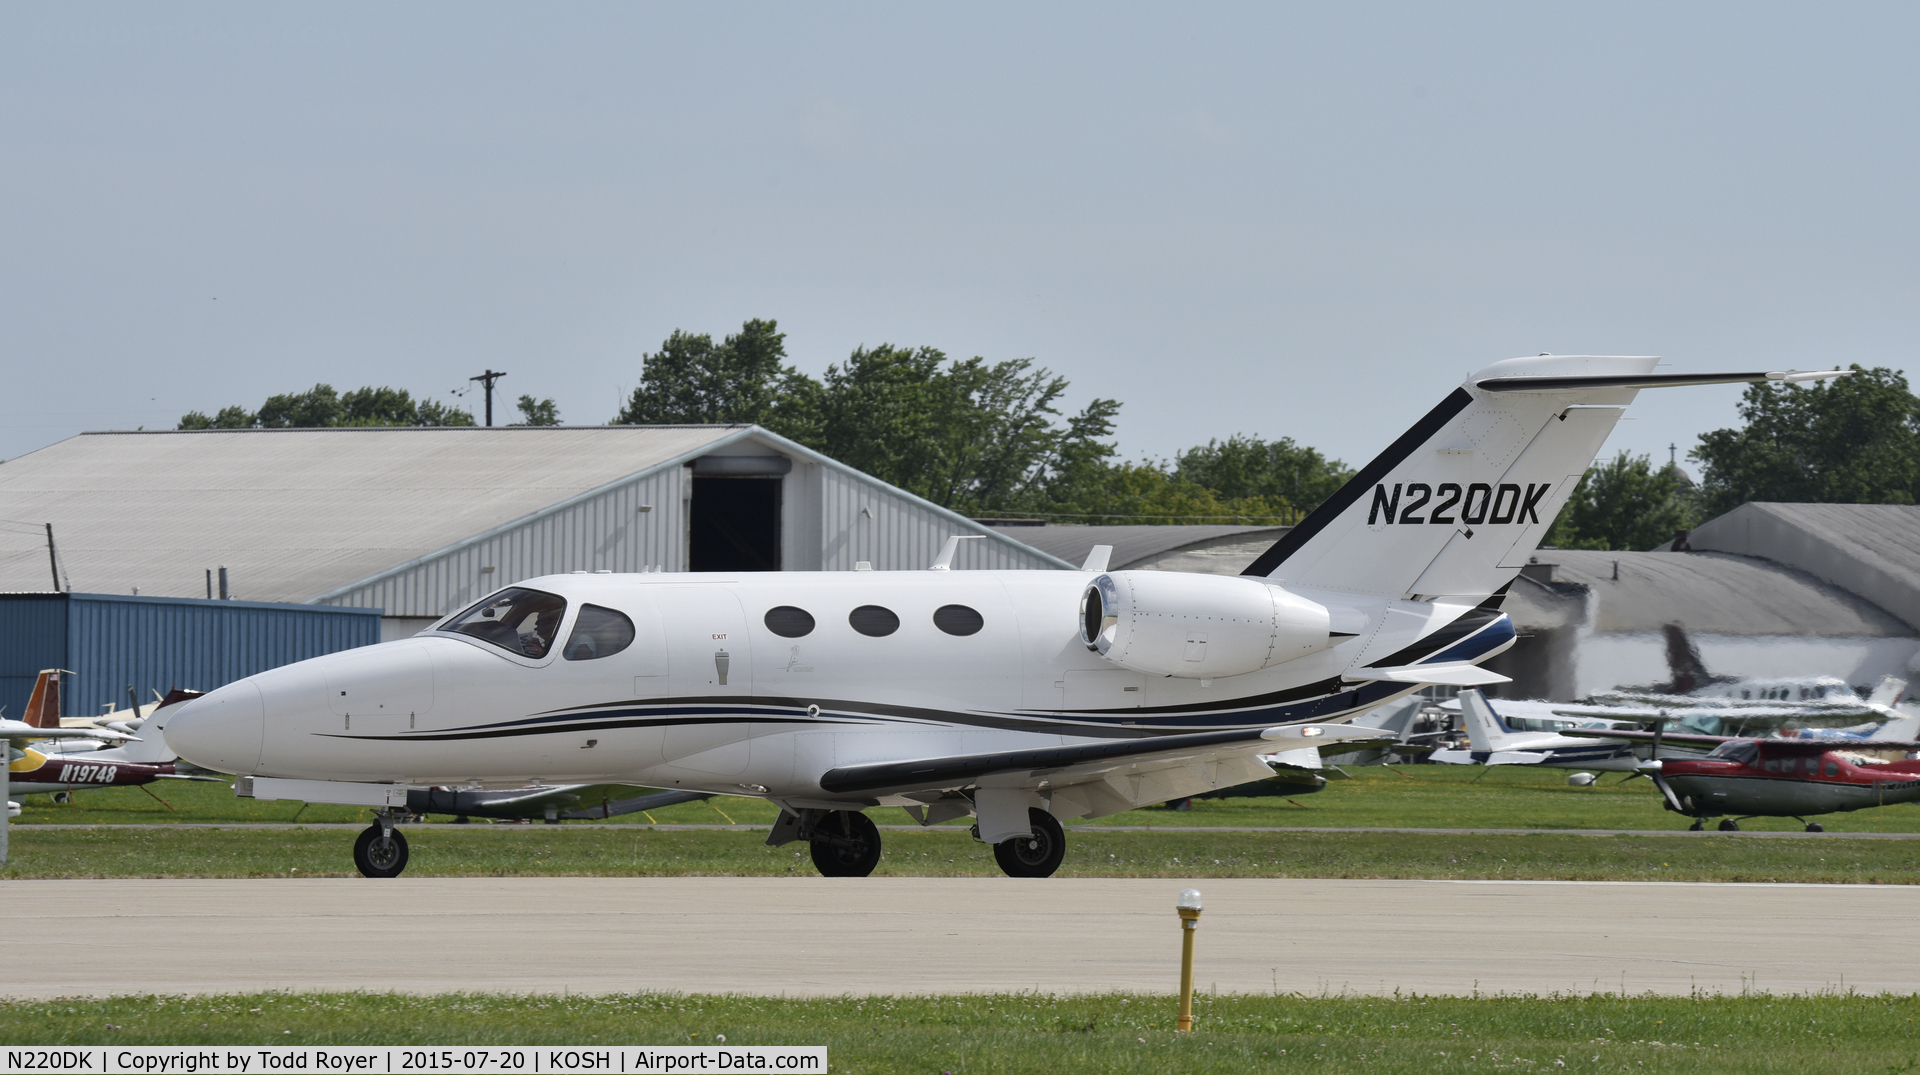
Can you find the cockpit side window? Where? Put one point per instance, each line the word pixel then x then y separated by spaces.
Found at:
pixel 1740 750
pixel 598 632
pixel 518 620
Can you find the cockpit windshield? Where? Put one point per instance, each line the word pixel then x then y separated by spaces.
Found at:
pixel 1740 750
pixel 517 620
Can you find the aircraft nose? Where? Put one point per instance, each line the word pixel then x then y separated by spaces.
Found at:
pixel 221 731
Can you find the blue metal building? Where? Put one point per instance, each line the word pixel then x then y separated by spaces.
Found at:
pixel 111 641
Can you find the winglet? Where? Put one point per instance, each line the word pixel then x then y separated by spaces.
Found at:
pixel 1097 558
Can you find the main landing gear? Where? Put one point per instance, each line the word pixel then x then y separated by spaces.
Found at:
pixel 1034 855
pixel 1732 824
pixel 846 843
pixel 381 851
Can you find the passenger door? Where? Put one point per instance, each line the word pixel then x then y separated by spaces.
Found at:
pixel 711 662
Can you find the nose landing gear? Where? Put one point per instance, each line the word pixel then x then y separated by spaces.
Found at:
pixel 381 851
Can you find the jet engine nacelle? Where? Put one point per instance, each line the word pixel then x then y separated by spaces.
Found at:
pixel 1169 623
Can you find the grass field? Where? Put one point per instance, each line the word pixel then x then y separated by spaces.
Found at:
pixel 1416 796
pixel 587 850
pixel 1059 1035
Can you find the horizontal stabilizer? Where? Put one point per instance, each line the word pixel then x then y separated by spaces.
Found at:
pixel 1648 380
pixel 1451 673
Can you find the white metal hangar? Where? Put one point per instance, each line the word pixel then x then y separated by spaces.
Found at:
pixel 420 521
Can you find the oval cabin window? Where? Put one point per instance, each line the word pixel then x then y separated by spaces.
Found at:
pixel 789 622
pixel 957 620
pixel 874 621
pixel 599 632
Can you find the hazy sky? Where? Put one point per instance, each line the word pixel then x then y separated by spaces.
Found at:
pixel 1300 220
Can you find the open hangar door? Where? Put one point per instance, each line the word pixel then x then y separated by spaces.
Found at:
pixel 733 523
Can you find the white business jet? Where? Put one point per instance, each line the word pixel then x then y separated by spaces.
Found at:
pixel 1020 698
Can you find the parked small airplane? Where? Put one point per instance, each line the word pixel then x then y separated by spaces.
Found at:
pixel 1796 778
pixel 1020 698
pixel 1492 741
pixel 1720 704
pixel 19 759
pixel 135 760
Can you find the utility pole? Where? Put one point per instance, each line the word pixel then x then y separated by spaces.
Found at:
pixel 487 379
pixel 53 561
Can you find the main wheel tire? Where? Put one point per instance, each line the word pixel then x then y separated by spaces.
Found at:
pixel 1814 826
pixel 380 856
pixel 846 843
pixel 1037 854
pixel 1729 825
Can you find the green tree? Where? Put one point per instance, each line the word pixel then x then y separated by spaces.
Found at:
pixel 691 380
pixel 1851 440
pixel 975 436
pixel 381 406
pixel 1623 504
pixel 1276 471
pixel 538 412
pixel 433 413
pixel 318 406
pixel 228 418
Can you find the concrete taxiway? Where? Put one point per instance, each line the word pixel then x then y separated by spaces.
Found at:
pixel 935 935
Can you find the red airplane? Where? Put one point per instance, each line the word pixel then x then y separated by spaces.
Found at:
pixel 1794 778
pixel 141 761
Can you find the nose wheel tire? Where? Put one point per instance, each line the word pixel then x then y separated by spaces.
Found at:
pixel 846 843
pixel 1697 825
pixel 1815 826
pixel 379 854
pixel 1037 854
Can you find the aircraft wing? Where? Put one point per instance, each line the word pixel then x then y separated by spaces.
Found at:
pixel 1691 739
pixel 1685 739
pixel 1085 762
pixel 1677 703
pixel 20 729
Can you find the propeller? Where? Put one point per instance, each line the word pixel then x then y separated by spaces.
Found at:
pixel 1652 767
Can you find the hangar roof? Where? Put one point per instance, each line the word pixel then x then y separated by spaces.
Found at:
pixel 294 514
pixel 1870 549
pixel 1711 592
pixel 1135 545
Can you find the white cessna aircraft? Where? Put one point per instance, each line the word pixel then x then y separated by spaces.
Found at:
pixel 1020 698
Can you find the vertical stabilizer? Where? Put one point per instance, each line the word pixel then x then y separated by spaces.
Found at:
pixel 1456 504
pixel 1485 730
pixel 43 706
pixel 1888 691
